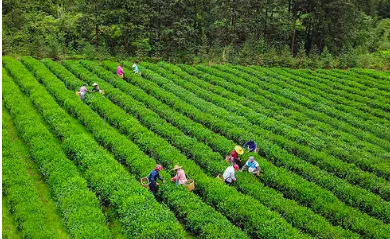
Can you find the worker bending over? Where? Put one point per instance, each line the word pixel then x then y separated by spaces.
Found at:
pixel 251 145
pixel 228 175
pixel 252 165
pixel 180 177
pixel 153 176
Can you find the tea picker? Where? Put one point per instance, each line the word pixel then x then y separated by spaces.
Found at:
pixel 252 146
pixel 180 178
pixel 253 166
pixel 228 175
pixel 152 178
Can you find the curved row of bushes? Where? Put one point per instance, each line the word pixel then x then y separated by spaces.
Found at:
pixel 382 82
pixel 18 187
pixel 190 209
pixel 79 208
pixel 371 203
pixel 286 99
pixel 320 140
pixel 320 131
pixel 202 154
pixel 332 95
pixel 292 185
pixel 263 223
pixel 349 171
pixel 366 82
pixel 373 163
pixel 276 85
pixel 140 214
pixel 372 97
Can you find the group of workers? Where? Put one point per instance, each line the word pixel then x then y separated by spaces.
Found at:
pixel 83 90
pixel 120 72
pixel 251 164
pixel 228 176
pixel 179 178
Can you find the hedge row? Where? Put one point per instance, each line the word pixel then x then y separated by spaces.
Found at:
pixel 370 97
pixel 330 121
pixel 204 155
pixel 375 163
pixel 18 187
pixel 140 214
pixel 292 185
pixel 187 206
pixel 353 78
pixel 310 85
pixel 286 98
pixel 349 150
pixel 211 189
pixel 355 175
pixel 372 204
pixel 370 79
pixel 380 80
pixel 78 206
pixel 276 85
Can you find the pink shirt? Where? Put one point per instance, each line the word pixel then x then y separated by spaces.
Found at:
pixel 83 89
pixel 181 176
pixel 119 70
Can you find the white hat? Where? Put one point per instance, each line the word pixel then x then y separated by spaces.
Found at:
pixel 134 65
pixel 94 84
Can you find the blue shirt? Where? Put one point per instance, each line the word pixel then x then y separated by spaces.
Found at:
pixel 153 176
pixel 136 70
pixel 252 146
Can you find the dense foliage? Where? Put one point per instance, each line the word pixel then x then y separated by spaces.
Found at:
pixel 336 33
pixel 323 139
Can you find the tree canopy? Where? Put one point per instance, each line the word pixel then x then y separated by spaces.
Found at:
pixel 184 30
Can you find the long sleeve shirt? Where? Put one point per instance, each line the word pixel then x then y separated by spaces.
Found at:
pixel 153 176
pixel 234 154
pixel 83 89
pixel 119 70
pixel 136 70
pixel 228 175
pixel 180 176
pixel 252 146
pixel 252 166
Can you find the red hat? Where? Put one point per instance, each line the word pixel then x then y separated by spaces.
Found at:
pixel 158 167
pixel 236 167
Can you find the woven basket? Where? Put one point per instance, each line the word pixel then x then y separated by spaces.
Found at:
pixel 220 177
pixel 145 183
pixel 78 93
pixel 190 185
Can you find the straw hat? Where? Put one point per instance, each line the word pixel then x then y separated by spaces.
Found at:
pixel 176 167
pixel 239 150
pixel 94 84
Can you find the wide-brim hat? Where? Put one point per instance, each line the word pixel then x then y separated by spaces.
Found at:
pixel 94 84
pixel 176 167
pixel 239 150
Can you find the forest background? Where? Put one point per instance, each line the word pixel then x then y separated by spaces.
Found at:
pixel 283 33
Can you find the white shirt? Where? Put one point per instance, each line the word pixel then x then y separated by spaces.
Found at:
pixel 228 175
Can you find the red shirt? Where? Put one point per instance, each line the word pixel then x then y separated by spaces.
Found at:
pixel 234 154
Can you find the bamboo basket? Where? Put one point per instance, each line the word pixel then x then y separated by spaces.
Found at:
pixel 145 183
pixel 78 93
pixel 190 185
pixel 220 177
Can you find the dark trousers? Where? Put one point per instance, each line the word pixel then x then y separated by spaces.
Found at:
pixel 153 187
